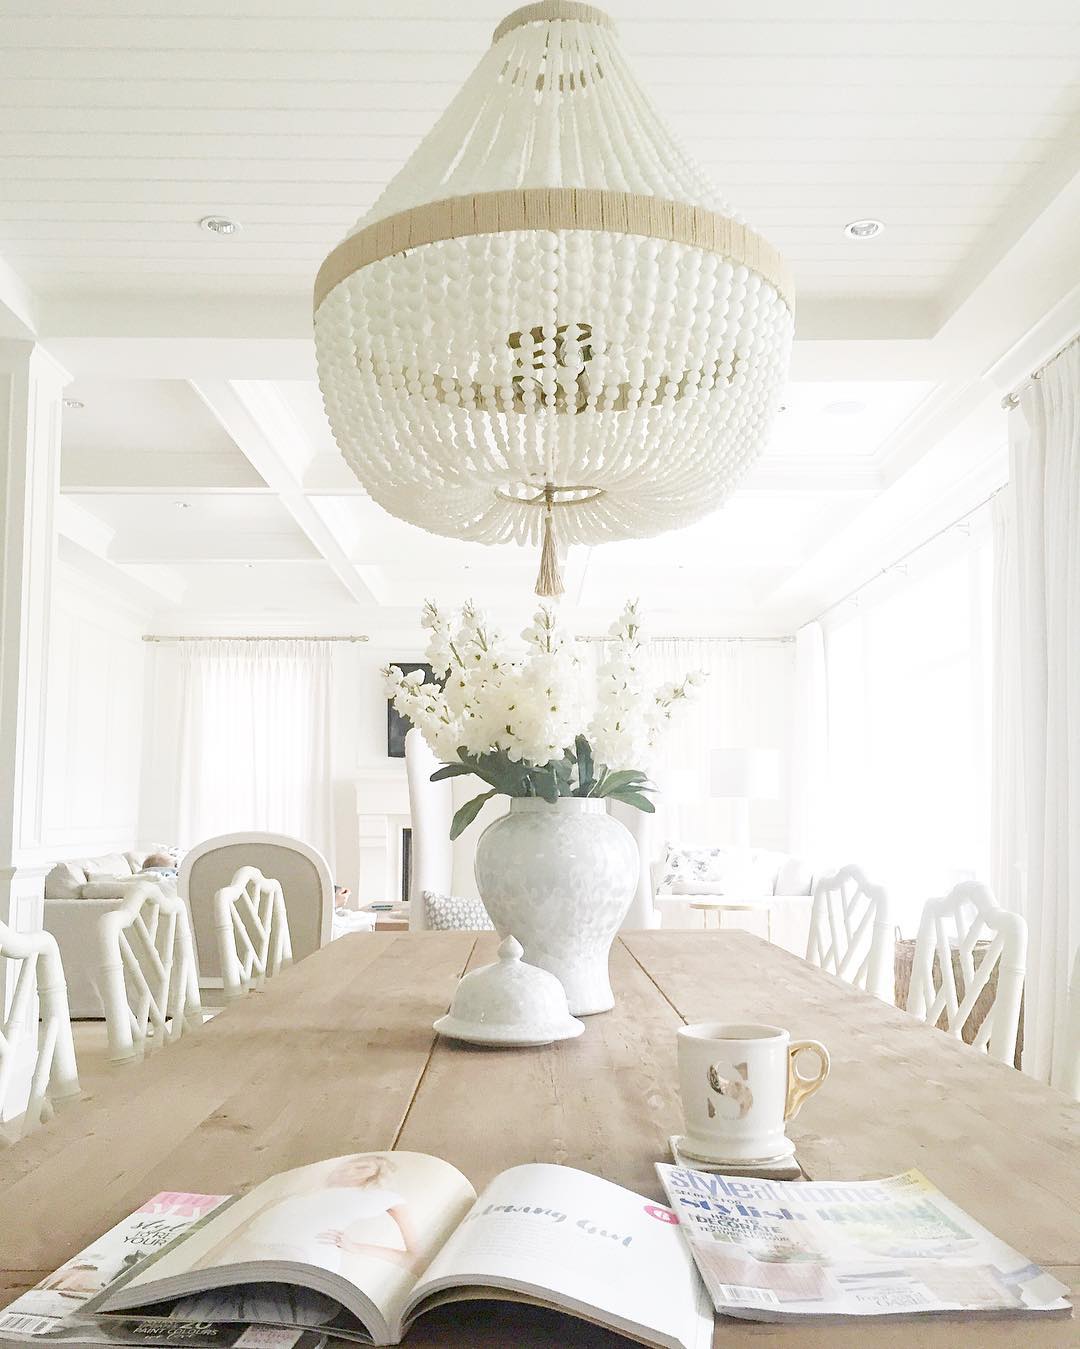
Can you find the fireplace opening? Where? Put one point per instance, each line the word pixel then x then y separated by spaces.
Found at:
pixel 406 863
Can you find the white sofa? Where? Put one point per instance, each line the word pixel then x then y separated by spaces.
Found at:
pixel 77 893
pixel 776 880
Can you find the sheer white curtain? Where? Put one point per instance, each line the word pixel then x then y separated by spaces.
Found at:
pixel 255 740
pixel 908 694
pixel 810 828
pixel 746 702
pixel 1039 603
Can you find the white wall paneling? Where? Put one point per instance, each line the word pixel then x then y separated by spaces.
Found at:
pixel 30 389
pixel 94 721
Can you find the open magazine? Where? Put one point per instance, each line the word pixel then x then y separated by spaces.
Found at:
pixel 55 1310
pixel 359 1246
pixel 892 1247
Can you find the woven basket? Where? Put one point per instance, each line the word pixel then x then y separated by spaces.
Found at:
pixel 905 956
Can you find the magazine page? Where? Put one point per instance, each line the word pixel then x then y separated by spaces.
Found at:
pixel 897 1246
pixel 353 1232
pixel 54 1311
pixel 574 1241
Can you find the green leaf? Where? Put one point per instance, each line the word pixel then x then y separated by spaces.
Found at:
pixel 451 770
pixel 625 777
pixel 635 799
pixel 547 785
pixel 584 765
pixel 468 812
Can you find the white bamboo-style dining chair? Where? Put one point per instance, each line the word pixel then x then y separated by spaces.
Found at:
pixel 301 871
pixel 32 962
pixel 252 931
pixel 149 983
pixel 852 933
pixel 951 929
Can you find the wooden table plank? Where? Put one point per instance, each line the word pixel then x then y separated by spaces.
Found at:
pixel 325 1061
pixel 338 1054
pixel 606 1102
pixel 901 1094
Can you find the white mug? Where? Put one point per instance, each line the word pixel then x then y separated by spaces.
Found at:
pixel 739 1085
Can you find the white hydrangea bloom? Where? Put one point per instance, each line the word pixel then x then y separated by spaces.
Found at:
pixel 530 707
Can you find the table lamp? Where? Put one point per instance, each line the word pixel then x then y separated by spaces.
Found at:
pixel 745 775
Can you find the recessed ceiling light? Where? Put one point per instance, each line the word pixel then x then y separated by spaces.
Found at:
pixel 182 505
pixel 864 229
pixel 219 224
pixel 847 407
pixel 73 403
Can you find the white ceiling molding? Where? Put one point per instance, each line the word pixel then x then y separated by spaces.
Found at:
pixel 263 428
pixel 18 305
pixel 86 544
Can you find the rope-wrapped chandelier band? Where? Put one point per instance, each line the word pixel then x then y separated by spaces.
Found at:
pixel 548 11
pixel 555 208
pixel 551 292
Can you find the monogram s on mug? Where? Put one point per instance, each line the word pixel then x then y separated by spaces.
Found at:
pixel 740 1083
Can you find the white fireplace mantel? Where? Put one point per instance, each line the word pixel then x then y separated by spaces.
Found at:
pixel 382 811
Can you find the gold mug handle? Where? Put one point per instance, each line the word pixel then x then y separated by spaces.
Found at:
pixel 799 1088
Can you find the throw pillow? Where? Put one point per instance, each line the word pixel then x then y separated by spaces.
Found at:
pixel 697 866
pixel 794 878
pixel 451 913
pixel 65 881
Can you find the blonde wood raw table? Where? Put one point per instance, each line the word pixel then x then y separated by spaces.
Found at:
pixel 338 1055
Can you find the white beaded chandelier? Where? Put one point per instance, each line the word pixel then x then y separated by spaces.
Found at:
pixel 550 317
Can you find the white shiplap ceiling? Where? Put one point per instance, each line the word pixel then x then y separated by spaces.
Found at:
pixel 123 122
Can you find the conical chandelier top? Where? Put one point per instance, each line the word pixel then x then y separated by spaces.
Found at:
pixel 550 315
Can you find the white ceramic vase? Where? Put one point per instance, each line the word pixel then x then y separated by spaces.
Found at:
pixel 560 877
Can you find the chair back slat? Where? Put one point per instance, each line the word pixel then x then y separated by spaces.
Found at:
pixel 38 969
pixel 252 930
pixel 986 942
pixel 147 976
pixel 851 932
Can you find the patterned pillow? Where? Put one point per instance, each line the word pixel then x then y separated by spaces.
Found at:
pixel 698 866
pixel 450 913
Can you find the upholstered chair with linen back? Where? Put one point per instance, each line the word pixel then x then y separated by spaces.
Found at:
pixel 300 870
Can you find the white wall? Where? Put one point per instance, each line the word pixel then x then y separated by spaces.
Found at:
pixel 93 720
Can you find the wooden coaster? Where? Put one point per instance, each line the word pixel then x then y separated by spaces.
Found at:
pixel 784 1168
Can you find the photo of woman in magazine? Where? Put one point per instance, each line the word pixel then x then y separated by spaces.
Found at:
pixel 346 1209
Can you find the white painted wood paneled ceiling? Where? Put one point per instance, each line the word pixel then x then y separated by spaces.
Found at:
pixel 199 474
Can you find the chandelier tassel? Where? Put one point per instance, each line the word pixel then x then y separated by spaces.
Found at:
pixel 549 582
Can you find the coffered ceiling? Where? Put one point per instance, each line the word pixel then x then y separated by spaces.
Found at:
pixel 200 477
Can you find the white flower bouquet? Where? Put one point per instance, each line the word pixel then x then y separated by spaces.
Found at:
pixel 532 724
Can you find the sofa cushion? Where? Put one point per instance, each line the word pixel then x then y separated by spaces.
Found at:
pixel 65 881
pixel 119 887
pixel 451 913
pixel 702 887
pixel 112 864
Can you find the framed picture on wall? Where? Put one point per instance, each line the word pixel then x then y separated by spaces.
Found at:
pixel 397 726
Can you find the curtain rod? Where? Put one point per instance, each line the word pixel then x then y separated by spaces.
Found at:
pixel 1012 400
pixel 899 562
pixel 690 637
pixel 274 637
